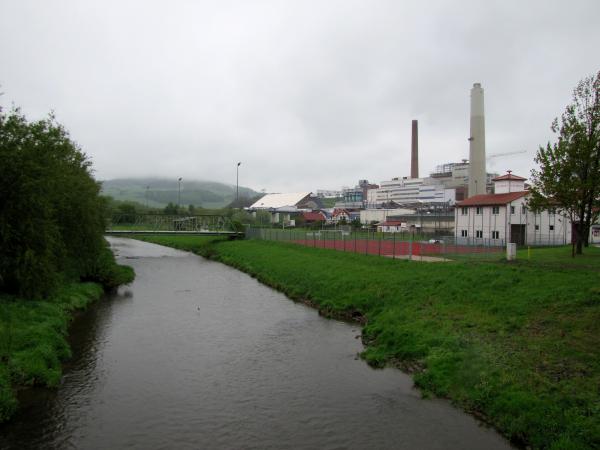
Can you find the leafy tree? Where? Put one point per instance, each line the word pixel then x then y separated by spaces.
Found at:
pixel 52 217
pixel 569 169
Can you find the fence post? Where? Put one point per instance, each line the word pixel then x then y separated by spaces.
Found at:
pixel 355 242
pixel 394 250
pixel 410 248
pixel 334 241
pixel 379 249
pixel 343 243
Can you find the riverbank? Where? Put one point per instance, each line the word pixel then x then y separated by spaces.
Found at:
pixel 33 331
pixel 515 344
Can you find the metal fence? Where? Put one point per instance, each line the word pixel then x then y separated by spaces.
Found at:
pixel 392 245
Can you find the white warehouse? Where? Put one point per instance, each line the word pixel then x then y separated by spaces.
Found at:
pixel 504 217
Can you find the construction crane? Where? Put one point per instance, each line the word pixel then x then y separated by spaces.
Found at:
pixel 497 155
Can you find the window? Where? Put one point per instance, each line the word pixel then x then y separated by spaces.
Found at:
pixel 464 233
pixel 512 209
pixel 552 211
pixel 478 210
pixel 523 209
pixel 464 211
pixel 495 235
pixel 495 210
pixel 537 228
pixel 479 233
pixel 551 227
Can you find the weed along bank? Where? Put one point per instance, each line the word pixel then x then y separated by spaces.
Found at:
pixel 513 360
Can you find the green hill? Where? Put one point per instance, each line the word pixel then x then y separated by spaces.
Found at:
pixel 158 192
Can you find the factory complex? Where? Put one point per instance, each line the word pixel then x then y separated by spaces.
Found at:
pixel 458 200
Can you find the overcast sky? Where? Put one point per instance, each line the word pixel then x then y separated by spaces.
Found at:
pixel 306 94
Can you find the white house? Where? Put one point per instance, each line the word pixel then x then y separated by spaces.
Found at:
pixel 504 217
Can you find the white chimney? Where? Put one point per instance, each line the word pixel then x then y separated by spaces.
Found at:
pixel 477 173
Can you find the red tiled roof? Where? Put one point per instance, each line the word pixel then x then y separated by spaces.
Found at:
pixel 492 199
pixel 391 223
pixel 315 216
pixel 509 176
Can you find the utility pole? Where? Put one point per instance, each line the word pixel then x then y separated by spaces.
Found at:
pixel 179 193
pixel 237 183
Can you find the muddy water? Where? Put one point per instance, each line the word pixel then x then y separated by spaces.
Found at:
pixel 195 354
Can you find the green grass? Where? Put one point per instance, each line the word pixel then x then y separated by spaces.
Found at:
pixel 517 344
pixel 560 257
pixel 33 332
pixel 33 339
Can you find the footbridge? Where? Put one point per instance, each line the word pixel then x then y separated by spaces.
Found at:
pixel 161 224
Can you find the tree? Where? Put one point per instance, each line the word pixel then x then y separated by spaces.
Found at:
pixel 52 218
pixel 568 177
pixel 171 209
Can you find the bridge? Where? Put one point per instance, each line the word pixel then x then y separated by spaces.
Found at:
pixel 161 224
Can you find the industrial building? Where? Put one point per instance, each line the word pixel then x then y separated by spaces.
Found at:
pixel 502 217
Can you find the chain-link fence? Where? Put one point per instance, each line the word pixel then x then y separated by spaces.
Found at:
pixel 392 245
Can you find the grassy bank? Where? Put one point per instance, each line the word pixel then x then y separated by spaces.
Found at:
pixel 516 344
pixel 33 331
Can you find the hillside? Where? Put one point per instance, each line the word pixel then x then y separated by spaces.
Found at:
pixel 158 192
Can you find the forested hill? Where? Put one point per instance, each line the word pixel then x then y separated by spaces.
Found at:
pixel 158 192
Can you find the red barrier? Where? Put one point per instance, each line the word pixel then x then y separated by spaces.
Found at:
pixel 386 247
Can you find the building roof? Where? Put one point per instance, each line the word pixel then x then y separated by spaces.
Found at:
pixel 279 200
pixel 509 176
pixel 391 223
pixel 313 215
pixel 492 199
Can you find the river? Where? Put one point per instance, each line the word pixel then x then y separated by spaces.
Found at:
pixel 194 354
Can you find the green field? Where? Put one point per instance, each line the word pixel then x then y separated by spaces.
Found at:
pixel 517 344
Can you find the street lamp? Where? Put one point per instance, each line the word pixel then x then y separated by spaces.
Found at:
pixel 237 183
pixel 179 192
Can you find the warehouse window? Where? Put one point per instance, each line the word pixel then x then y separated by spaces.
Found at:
pixel 495 210
pixel 478 210
pixel 464 211
pixel 512 209
pixel 495 235
pixel 479 233
pixel 551 227
pixel 464 233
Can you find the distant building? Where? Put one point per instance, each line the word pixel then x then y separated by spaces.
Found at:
pixel 283 206
pixel 504 217
pixel 456 175
pixel 411 191
pixel 392 226
pixel 356 197
pixel 322 193
pixel 311 217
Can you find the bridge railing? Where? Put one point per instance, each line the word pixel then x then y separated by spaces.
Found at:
pixel 163 222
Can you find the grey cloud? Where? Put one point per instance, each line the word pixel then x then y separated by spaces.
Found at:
pixel 307 94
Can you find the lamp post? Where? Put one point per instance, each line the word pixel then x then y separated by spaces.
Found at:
pixel 179 193
pixel 147 188
pixel 237 183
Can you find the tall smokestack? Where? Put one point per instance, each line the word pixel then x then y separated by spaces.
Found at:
pixel 477 175
pixel 414 155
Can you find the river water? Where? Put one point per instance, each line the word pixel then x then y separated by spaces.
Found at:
pixel 194 354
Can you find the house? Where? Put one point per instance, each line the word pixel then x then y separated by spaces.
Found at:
pixel 495 219
pixel 313 217
pixel 344 215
